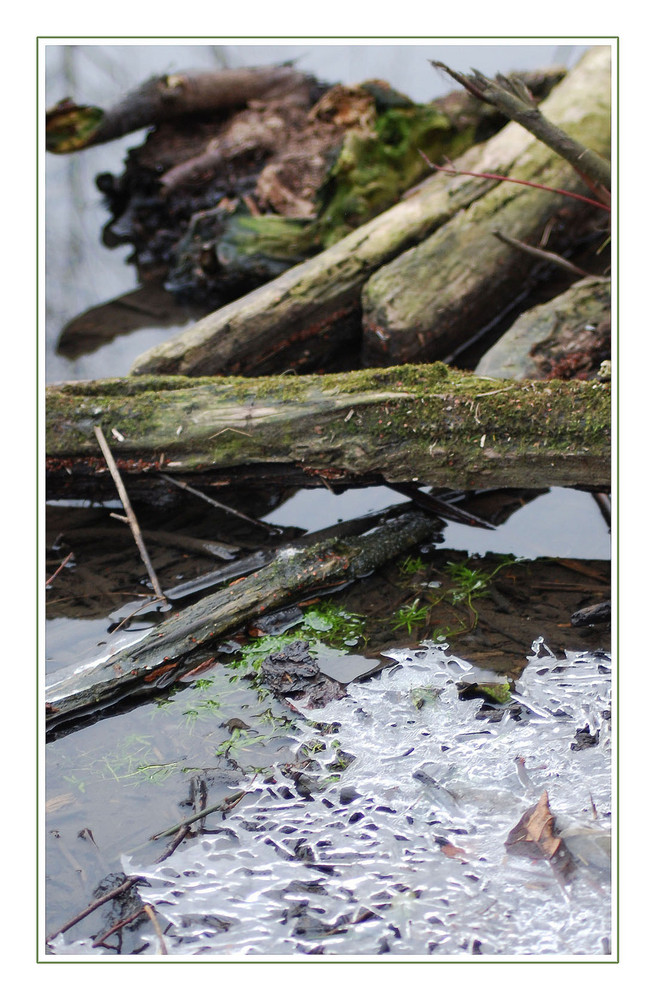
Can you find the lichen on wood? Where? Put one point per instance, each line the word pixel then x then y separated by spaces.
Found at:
pixel 437 295
pixel 296 572
pixel 424 423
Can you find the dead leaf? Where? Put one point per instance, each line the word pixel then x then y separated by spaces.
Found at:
pixel 533 836
pixel 451 851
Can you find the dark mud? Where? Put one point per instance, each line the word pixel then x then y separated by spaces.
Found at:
pixel 495 631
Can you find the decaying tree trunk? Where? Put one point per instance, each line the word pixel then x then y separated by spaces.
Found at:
pixel 564 338
pixel 181 642
pixel 311 311
pixel 70 126
pixel 248 172
pixel 427 301
pixel 426 423
pixel 316 306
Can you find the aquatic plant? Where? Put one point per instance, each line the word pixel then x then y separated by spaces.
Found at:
pixel 410 615
pixel 470 583
pixel 411 565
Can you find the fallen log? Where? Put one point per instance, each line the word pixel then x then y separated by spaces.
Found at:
pixel 71 127
pixel 226 192
pixel 564 338
pixel 313 310
pixel 431 299
pixel 425 424
pixel 168 650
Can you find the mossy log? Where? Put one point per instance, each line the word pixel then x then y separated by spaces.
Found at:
pixel 567 337
pixel 438 295
pixel 182 640
pixel 426 423
pixel 312 312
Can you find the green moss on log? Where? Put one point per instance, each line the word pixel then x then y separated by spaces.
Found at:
pixel 371 171
pixel 427 423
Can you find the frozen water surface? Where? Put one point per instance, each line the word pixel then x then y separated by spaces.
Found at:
pixel 405 854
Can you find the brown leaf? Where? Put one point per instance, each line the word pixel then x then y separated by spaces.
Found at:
pixel 533 836
pixel 451 851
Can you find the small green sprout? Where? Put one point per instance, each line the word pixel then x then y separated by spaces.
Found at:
pixel 410 565
pixel 410 615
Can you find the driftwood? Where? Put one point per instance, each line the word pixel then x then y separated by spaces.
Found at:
pixel 425 424
pixel 428 301
pixel 568 336
pixel 314 308
pixel 175 647
pixel 70 127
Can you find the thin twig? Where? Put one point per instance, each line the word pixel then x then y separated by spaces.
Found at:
pixel 546 255
pixel 127 506
pixel 226 804
pixel 124 621
pixel 515 101
pixel 150 912
pixel 117 927
pixel 176 842
pixel 181 829
pixel 59 569
pixel 515 180
pixel 215 503
pixel 112 894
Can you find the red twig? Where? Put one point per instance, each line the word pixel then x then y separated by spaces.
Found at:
pixel 514 180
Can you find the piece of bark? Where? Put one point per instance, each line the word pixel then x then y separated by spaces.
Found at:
pixel 438 295
pixel 425 424
pixel 295 573
pixel 70 127
pixel 568 336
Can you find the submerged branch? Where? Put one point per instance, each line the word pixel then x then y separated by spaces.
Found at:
pixel 158 659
